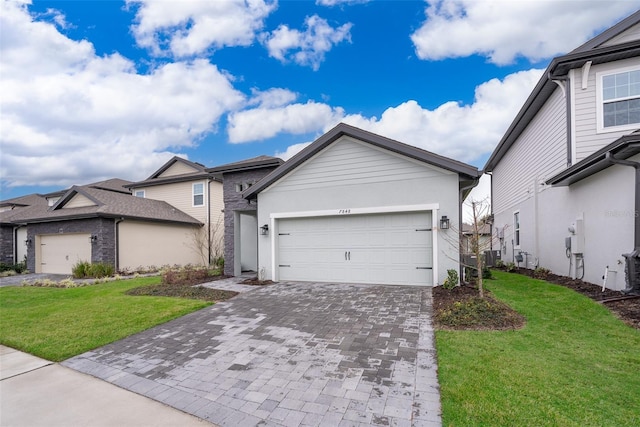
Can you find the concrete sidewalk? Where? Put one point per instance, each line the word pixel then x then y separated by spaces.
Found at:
pixel 36 392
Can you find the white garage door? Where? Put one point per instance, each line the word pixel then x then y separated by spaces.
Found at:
pixel 59 252
pixel 383 248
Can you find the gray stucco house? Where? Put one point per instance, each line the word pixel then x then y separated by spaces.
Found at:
pixel 565 175
pixel 357 207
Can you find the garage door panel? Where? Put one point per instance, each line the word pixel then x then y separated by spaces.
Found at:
pixel 60 252
pixel 381 248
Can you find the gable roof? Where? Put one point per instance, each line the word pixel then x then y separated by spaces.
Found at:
pixel 108 204
pixel 593 50
pixel 622 148
pixel 113 184
pixel 156 179
pixel 467 171
pixel 258 162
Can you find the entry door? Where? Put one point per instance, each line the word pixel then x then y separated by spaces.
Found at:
pixel 381 248
pixel 59 252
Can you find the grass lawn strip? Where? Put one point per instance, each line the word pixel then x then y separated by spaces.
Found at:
pixel 573 364
pixel 56 324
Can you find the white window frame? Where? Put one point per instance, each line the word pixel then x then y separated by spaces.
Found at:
pixel 194 194
pixel 239 187
pixel 516 230
pixel 142 192
pixel 600 128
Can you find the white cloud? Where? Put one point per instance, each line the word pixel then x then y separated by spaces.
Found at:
pixel 262 123
pixel 339 2
pixel 69 116
pixel 274 97
pixel 291 150
pixel 462 132
pixel 306 48
pixel 505 30
pixel 191 27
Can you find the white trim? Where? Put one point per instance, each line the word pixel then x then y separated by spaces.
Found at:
pixel 599 101
pixel 135 193
pixel 357 211
pixel 433 208
pixel 434 241
pixel 193 194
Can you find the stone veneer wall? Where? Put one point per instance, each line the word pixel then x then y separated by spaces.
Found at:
pixel 103 250
pixel 6 244
pixel 233 201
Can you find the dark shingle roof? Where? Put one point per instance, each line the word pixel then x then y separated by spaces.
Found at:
pixel 247 164
pixel 109 204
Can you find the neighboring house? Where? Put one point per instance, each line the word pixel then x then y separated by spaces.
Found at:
pixel 484 238
pixel 565 174
pixel 99 222
pixel 190 188
pixel 240 219
pixel 361 208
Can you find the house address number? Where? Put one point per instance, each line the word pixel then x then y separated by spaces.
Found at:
pixel 344 211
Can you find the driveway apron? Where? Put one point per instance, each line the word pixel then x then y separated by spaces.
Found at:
pixel 292 354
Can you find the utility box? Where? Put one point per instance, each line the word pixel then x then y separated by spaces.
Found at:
pixel 577 237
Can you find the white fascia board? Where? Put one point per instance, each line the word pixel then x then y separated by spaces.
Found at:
pixel 357 211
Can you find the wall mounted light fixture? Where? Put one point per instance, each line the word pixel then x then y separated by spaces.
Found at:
pixel 444 223
pixel 28 242
pixel 93 238
pixel 264 230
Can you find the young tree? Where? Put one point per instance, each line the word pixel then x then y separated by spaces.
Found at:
pixel 480 210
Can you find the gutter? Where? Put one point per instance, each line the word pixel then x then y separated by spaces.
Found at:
pixel 567 96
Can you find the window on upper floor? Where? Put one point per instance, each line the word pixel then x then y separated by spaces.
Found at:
pixel 198 194
pixel 516 229
pixel 619 100
pixel 239 187
pixel 139 193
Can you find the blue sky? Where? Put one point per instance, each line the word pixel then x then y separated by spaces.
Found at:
pixel 99 89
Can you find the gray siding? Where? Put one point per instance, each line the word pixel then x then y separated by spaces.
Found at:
pixel 586 139
pixel 631 34
pixel 349 174
pixel 539 153
pixel 351 163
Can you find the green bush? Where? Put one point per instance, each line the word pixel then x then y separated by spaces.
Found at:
pixel 19 268
pixel 486 273
pixel 510 267
pixel 499 263
pixel 87 270
pixel 189 274
pixel 541 273
pixel 452 279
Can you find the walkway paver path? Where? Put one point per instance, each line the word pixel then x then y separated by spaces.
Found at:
pixel 289 354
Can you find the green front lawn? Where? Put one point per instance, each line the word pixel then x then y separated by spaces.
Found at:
pixel 55 323
pixel 573 364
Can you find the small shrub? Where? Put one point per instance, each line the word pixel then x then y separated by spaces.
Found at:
pixel 452 279
pixel 186 274
pixel 80 269
pixel 499 263
pixel 541 273
pixel 18 268
pixel 486 273
pixel 510 267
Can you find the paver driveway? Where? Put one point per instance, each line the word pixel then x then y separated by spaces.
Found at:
pixel 288 354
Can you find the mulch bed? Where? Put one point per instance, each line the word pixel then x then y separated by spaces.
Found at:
pixel 461 308
pixel 186 289
pixel 444 301
pixel 627 310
